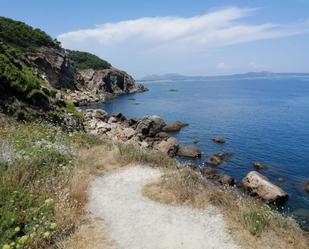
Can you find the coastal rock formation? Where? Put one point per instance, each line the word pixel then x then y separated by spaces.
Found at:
pixel 219 140
pixel 259 185
pixel 54 66
pixel 189 151
pixel 174 126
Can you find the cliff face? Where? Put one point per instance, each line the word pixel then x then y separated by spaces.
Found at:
pixel 81 86
pixel 38 76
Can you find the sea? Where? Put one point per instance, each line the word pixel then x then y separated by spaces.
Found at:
pixel 264 119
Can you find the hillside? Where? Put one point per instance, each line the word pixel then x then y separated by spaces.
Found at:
pixel 40 79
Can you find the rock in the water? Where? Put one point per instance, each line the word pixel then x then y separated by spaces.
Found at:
pixel 259 185
pixel 214 160
pixel 169 147
pixel 119 116
pixel 212 174
pixel 174 126
pixel 307 186
pixel 281 180
pixel 259 165
pixel 223 155
pixel 219 140
pixel 189 151
pixel 149 126
pixel 173 90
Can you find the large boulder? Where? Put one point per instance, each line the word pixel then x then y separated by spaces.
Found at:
pixel 189 151
pixel 149 126
pixel 169 147
pixel 174 126
pixel 259 185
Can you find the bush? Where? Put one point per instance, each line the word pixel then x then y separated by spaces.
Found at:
pixel 23 36
pixel 84 60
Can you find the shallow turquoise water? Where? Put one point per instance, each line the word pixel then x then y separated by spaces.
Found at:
pixel 263 120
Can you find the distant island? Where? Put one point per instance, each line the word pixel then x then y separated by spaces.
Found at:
pixel 180 77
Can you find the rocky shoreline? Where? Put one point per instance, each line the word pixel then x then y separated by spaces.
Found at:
pixel 151 132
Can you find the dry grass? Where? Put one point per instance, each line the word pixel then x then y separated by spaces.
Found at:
pixel 251 223
pixel 90 234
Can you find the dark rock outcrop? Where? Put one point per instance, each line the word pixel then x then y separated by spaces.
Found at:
pixel 54 66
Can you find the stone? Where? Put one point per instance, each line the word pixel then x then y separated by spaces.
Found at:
pixel 169 147
pixel 259 165
pixel 101 115
pixel 162 135
pixel 119 116
pixel 219 140
pixel 307 186
pixel 112 120
pixel 214 160
pixel 174 126
pixel 212 174
pixel 223 155
pixel 257 184
pixel 150 125
pixel 189 151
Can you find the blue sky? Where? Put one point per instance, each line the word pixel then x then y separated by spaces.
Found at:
pixel 188 37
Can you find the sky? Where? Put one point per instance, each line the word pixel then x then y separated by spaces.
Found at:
pixel 197 37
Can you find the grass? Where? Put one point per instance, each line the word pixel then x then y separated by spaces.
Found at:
pixel 44 177
pixel 42 183
pixel 250 221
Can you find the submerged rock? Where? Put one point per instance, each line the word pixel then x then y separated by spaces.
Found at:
pixel 189 151
pixel 219 140
pixel 214 160
pixel 174 126
pixel 212 174
pixel 259 185
pixel 259 165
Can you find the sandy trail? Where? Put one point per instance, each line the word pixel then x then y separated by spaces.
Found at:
pixel 136 222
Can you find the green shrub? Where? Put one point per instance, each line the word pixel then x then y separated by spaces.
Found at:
pixel 84 60
pixel 23 36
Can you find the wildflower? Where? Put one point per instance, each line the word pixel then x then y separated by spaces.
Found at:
pixel 53 226
pixel 6 246
pixel 46 234
pixel 23 239
pixel 49 201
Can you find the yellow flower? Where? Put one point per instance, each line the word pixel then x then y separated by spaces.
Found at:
pixel 46 234
pixel 53 226
pixel 6 246
pixel 23 239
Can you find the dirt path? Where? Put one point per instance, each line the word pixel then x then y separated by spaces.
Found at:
pixel 135 222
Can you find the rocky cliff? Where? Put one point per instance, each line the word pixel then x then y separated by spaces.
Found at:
pixel 38 76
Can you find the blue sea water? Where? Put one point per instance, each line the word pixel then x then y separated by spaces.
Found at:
pixel 262 119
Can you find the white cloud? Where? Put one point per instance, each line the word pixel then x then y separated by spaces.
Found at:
pixel 164 37
pixel 222 65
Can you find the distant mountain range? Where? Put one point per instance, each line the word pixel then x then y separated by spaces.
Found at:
pixel 179 77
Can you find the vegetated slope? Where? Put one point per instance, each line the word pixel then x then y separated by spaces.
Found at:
pixel 84 60
pixel 36 72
